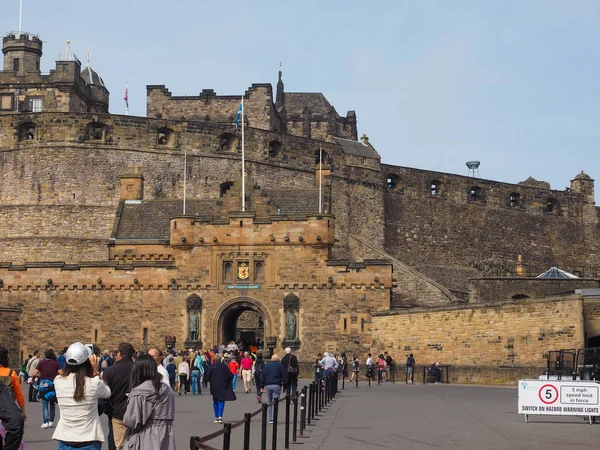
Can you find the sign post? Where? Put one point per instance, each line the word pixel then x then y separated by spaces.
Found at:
pixel 560 398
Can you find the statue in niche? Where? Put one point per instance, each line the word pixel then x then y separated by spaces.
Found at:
pixel 290 325
pixel 194 324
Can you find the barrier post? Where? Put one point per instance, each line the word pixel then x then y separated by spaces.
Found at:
pixel 247 419
pixel 286 441
pixel 263 431
pixel 275 414
pixel 227 436
pixel 303 411
pixel 310 391
pixel 295 426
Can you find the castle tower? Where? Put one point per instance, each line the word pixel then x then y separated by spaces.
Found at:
pixel 583 184
pixel 22 53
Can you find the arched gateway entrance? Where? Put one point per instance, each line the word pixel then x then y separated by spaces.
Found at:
pixel 242 318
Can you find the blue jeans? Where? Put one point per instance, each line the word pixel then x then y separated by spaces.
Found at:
pixel 48 411
pixel 95 445
pixel 110 440
pixel 326 373
pixel 233 383
pixel 218 407
pixel 195 381
pixel 273 391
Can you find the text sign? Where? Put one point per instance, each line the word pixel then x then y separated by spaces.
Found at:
pixel 561 398
pixel 243 286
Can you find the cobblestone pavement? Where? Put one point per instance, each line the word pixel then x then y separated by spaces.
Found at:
pixel 388 416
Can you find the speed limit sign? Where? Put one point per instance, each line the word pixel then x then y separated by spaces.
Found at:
pixel 548 394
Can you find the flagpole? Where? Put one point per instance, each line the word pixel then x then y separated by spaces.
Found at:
pixel 243 162
pixel 20 16
pixel 320 178
pixel 127 101
pixel 184 177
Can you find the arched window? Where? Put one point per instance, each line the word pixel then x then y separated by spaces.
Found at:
pixel 392 181
pixel 475 193
pixel 434 188
pixel 95 131
pixel 225 187
pixel 228 272
pixel 514 199
pixel 274 149
pixel 551 205
pixel 27 131
pixel 164 136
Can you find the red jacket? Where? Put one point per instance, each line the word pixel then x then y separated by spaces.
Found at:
pixel 233 366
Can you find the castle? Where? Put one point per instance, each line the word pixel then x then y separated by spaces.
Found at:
pixel 116 228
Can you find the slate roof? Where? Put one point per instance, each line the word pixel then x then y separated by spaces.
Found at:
pixel 356 148
pixel 151 219
pixel 91 76
pixel 67 55
pixel 295 102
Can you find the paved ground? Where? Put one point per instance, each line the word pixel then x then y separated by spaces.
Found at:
pixel 389 416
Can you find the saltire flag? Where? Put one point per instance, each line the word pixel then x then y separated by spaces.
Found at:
pixel 239 114
pixel 126 98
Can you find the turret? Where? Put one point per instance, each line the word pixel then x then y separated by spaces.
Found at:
pixel 22 53
pixel 584 184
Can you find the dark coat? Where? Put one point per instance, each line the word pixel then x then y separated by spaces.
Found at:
pixel 220 377
pixel 291 361
pixel 117 379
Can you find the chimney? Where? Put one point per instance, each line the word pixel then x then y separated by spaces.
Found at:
pixel 132 186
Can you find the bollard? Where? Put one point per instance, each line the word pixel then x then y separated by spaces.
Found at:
pixel 263 431
pixel 247 419
pixel 275 415
pixel 286 440
pixel 295 427
pixel 314 401
pixel 343 381
pixel 227 436
pixel 302 411
pixel 310 391
pixel 357 378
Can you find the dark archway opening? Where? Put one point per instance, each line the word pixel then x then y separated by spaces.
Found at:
pixel 244 322
pixel 593 342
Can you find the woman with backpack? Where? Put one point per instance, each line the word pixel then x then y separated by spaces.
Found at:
pixel 77 392
pixel 48 369
pixel 10 380
pixel 150 409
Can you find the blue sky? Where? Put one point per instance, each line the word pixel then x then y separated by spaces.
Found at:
pixel 515 84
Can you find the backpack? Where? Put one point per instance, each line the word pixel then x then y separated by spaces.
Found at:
pixel 46 390
pixel 6 380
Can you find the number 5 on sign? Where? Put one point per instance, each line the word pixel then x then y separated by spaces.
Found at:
pixel 548 394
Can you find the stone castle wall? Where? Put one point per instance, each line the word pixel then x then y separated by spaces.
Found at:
pixel 513 334
pixel 488 290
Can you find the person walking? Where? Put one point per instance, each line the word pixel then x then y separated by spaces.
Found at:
pixel 369 364
pixel 410 369
pixel 117 378
pixel 235 368
pixel 206 363
pixel 381 365
pixel 329 365
pixel 220 377
pixel 184 373
pixel 355 367
pixel 77 392
pixel 317 367
pixel 158 357
pixel 196 366
pixel 247 363
pixel 12 420
pixel 31 366
pixel 172 371
pixel 259 364
pixel 274 381
pixel 47 370
pixel 344 365
pixel 151 408
pixel 290 362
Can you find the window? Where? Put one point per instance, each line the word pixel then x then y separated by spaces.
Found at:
pixel 16 64
pixel 164 136
pixel 363 160
pixel 320 156
pixel 95 335
pixel 392 181
pixel 145 336
pixel 6 102
pixel 434 188
pixel 228 272
pixel 27 131
pixel 95 130
pixel 227 142
pixel 514 199
pixel 225 187
pixel 36 105
pixel 274 149
pixel 475 193
pixel 551 205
